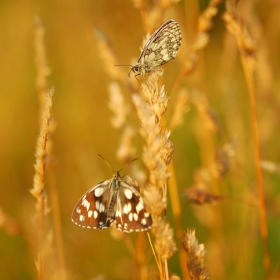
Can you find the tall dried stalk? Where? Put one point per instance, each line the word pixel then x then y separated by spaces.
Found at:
pixel 200 42
pixel 190 64
pixel 150 105
pixel 196 256
pixel 247 50
pixel 38 190
pixel 43 71
pixel 126 152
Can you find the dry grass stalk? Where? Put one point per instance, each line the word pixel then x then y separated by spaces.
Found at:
pixel 38 190
pixel 220 165
pixel 201 197
pixel 126 152
pixel 196 256
pixel 43 71
pixel 108 56
pixel 152 12
pixel 8 223
pixel 200 42
pixel 264 72
pixel 202 38
pixel 236 26
pixel 180 109
pixel 157 154
pixel 270 166
pixel 176 211
pixel 247 51
pixel 208 116
pixel 118 106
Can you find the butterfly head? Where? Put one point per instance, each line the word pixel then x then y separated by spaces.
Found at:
pixel 134 69
pixel 117 176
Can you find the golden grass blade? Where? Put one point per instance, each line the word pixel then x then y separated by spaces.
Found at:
pixel 247 51
pixel 38 190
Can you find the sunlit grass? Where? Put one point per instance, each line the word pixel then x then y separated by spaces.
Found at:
pixel 209 161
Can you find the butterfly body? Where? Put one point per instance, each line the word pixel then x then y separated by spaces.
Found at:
pixel 161 47
pixel 115 201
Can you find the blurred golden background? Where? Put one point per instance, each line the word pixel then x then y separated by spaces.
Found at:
pixel 214 146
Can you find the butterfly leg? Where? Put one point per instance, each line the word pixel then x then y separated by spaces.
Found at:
pixel 136 78
pixel 157 69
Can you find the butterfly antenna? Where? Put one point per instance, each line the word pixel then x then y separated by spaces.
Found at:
pixel 127 164
pixel 107 163
pixel 122 65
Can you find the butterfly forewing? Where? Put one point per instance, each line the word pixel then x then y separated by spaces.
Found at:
pixel 160 48
pixel 117 200
pixel 91 209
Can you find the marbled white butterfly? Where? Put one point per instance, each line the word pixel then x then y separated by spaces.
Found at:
pixel 115 201
pixel 161 47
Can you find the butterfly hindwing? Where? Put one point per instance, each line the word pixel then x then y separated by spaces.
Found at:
pixel 161 47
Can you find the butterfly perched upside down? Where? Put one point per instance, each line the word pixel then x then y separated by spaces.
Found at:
pixel 115 201
pixel 161 47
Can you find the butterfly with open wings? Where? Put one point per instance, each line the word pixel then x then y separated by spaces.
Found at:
pixel 117 201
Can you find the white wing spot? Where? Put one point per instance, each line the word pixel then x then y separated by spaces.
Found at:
pixel 101 207
pixel 82 218
pixel 143 222
pixel 86 204
pixel 95 214
pixel 99 191
pixel 135 216
pixel 90 213
pixel 128 194
pixel 127 208
pixel 118 213
pixel 130 217
pixel 146 215
pixel 78 210
pixel 139 207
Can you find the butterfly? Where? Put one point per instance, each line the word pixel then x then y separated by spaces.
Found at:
pixel 160 48
pixel 117 201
